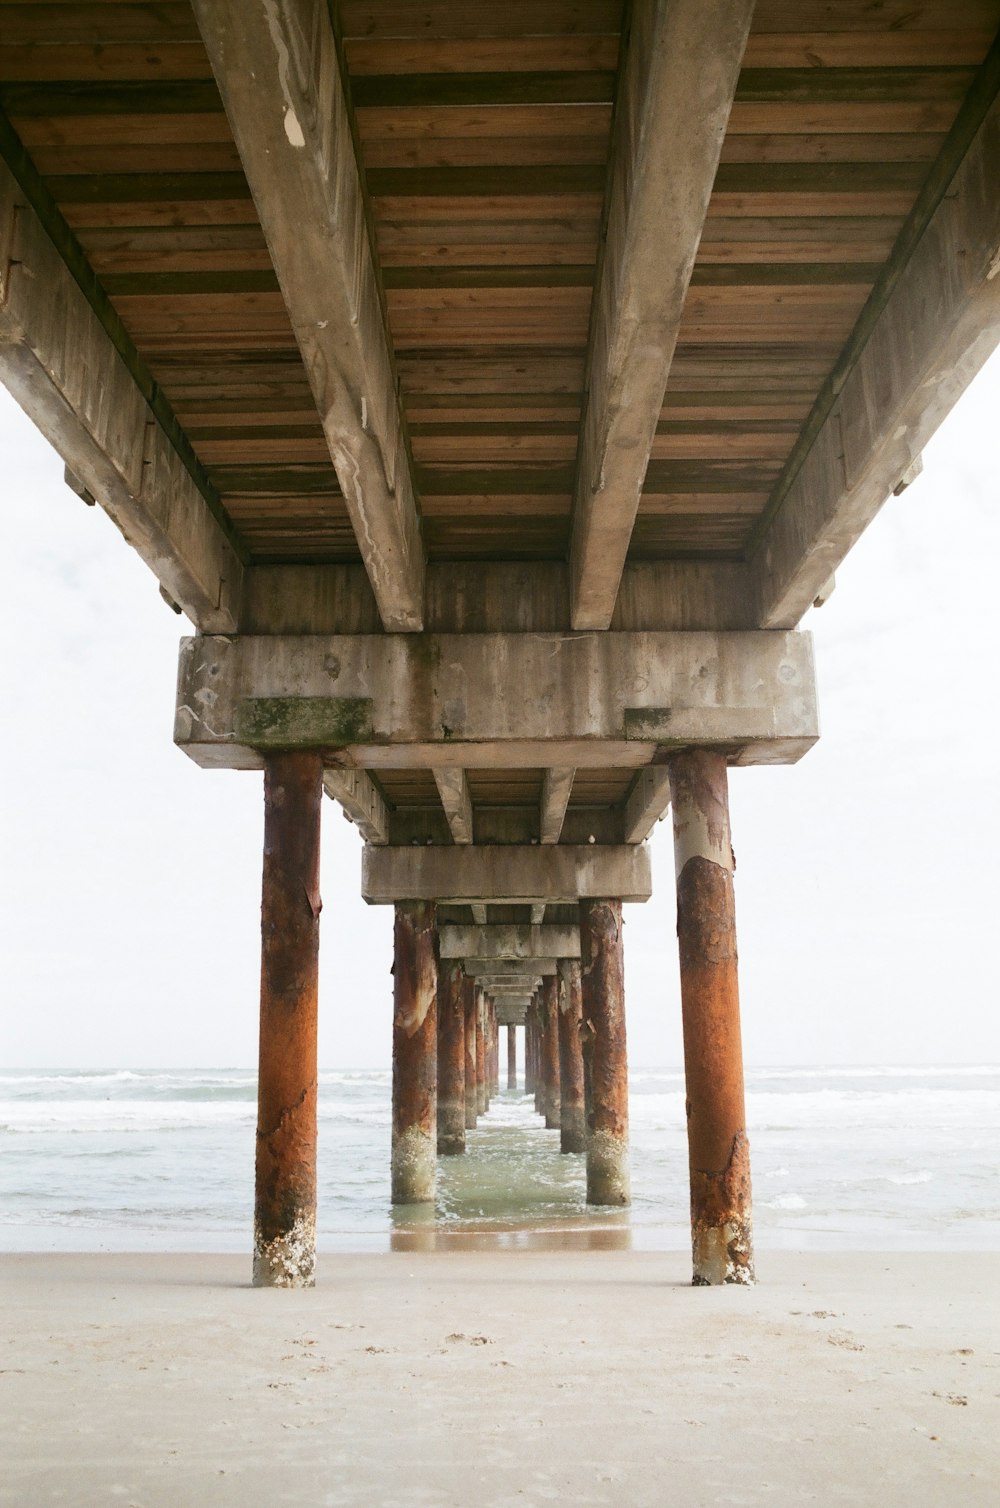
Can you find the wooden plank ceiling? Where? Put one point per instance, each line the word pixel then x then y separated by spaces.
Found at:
pixel 484 134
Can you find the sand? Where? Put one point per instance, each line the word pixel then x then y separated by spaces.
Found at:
pixel 499 1378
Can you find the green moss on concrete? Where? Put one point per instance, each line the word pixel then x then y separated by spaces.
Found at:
pixel 304 722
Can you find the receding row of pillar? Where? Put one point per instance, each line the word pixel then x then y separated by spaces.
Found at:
pixel 446 1059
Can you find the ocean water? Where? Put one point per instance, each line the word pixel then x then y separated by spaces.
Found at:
pixel 876 1159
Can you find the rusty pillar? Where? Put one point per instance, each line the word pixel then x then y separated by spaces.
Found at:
pixel 451 1059
pixel 471 1097
pixel 496 1046
pixel 529 1048
pixel 285 1194
pixel 482 1098
pixel 718 1149
pixel 414 1054
pixel 539 1051
pixel 550 1049
pixel 603 1010
pixel 572 1113
pixel 511 1058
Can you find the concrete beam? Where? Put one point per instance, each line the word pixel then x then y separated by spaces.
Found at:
pixel 510 941
pixel 453 788
pixel 500 988
pixel 557 786
pixel 479 915
pixel 361 801
pixel 647 802
pixel 537 915
pixel 397 701
pixel 512 1013
pixel 60 363
pixel 279 73
pixel 514 876
pixel 937 328
pixel 509 970
pixel 671 114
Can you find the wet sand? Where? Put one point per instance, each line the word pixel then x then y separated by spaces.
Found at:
pixel 499 1378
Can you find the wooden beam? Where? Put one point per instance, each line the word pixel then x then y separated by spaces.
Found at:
pixel 362 802
pixel 453 788
pixel 935 330
pixel 647 802
pixel 60 362
pixel 279 73
pixel 675 94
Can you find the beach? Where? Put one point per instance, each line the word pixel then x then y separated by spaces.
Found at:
pixel 500 1378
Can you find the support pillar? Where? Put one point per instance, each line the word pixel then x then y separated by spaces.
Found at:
pixel 482 1099
pixel 572 1114
pixel 603 998
pixel 451 1059
pixel 550 1051
pixel 718 1149
pixel 529 1048
pixel 511 1058
pixel 471 1097
pixel 285 1193
pixel 495 1025
pixel 414 1054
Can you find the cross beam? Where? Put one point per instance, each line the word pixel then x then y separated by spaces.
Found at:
pixel 509 874
pixel 429 701
pixel 510 941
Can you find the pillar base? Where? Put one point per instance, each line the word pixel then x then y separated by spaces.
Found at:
pixel 451 1135
pixel 573 1130
pixel 414 1167
pixel 607 1169
pixel 723 1254
pixel 721 1224
pixel 288 1260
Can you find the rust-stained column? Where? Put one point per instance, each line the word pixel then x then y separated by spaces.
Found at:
pixel 285 1196
pixel 550 1050
pixel 572 1121
pixel 529 1048
pixel 603 998
pixel 511 1058
pixel 482 1098
pixel 471 1096
pixel 414 1054
pixel 718 1150
pixel 539 1051
pixel 451 1059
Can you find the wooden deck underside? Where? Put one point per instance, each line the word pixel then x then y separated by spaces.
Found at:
pixel 484 133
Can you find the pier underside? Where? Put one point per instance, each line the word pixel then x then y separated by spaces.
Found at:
pixel 495 388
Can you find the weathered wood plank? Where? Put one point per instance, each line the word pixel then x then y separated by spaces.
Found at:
pixel 477 18
pixel 676 92
pixel 471 55
pixel 273 70
pixel 542 88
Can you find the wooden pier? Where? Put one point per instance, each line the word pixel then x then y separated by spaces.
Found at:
pixel 494 389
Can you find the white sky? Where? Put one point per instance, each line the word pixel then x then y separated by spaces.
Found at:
pixel 866 890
